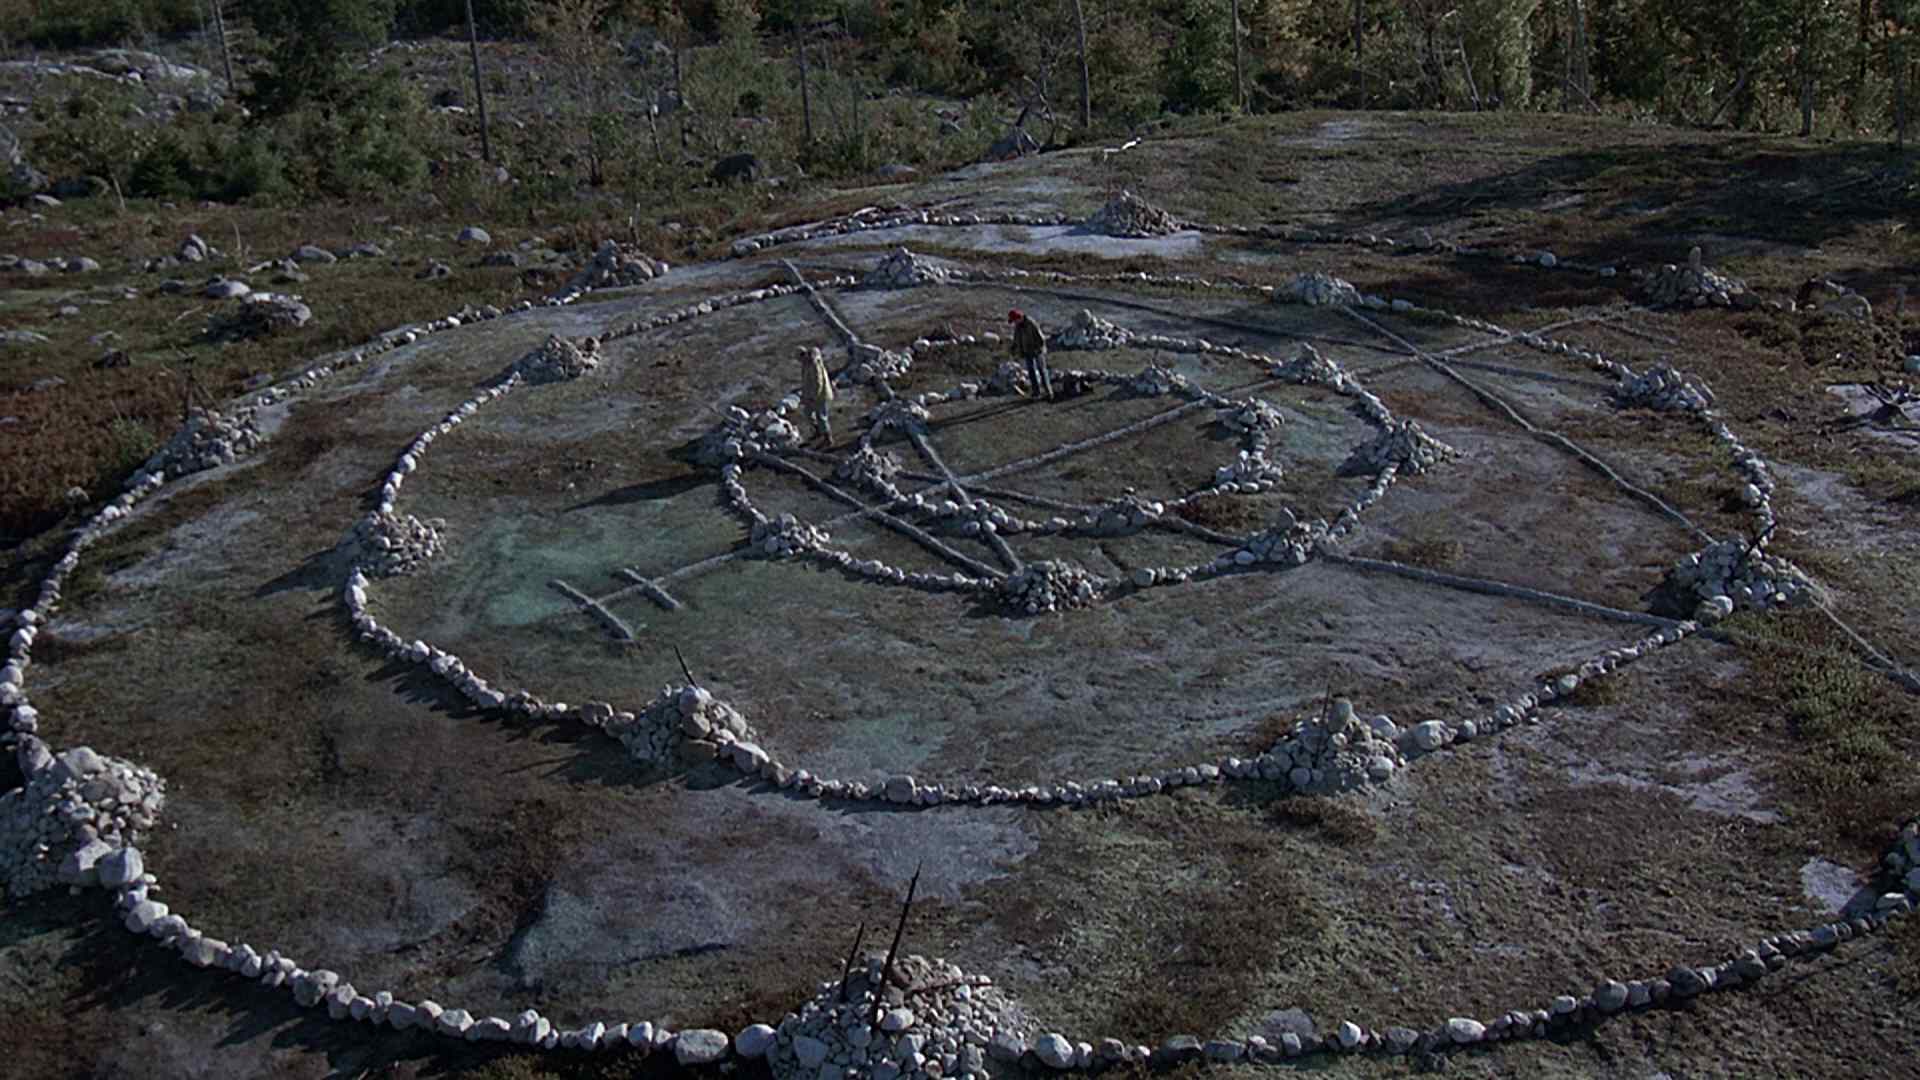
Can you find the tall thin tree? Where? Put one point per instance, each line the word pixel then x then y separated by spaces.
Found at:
pixel 1239 71
pixel 479 86
pixel 1086 75
pixel 1359 59
pixel 226 57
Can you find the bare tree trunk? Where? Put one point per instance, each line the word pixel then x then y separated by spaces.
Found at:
pixel 680 97
pixel 1359 70
pixel 1898 47
pixel 1582 79
pixel 1862 52
pixel 806 96
pixel 479 86
pixel 653 110
pixel 226 58
pixel 1239 72
pixel 1086 75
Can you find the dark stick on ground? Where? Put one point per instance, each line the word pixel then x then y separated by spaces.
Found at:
pixel 684 669
pixel 899 929
pixel 846 969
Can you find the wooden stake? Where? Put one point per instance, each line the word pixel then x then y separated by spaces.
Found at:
pixel 899 929
pixel 684 670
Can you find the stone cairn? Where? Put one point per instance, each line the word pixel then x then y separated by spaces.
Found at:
pixel 1664 389
pixel 1051 585
pixel 1317 289
pixel 1250 471
pixel 1291 543
pixel 1693 285
pixel 613 266
pixel 870 470
pixel 385 543
pixel 1128 215
pixel 1405 445
pixel 73 821
pixel 786 536
pixel 903 270
pixel 1009 378
pixel 1089 331
pixel 260 315
pixel 208 439
pixel 559 359
pixel 741 434
pixel 1732 575
pixel 1306 365
pixel 873 365
pixel 1335 752
pixel 934 1020
pixel 682 725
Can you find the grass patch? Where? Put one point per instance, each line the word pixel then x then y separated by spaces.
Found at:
pixel 1337 821
pixel 1221 514
pixel 1850 728
pixel 1430 549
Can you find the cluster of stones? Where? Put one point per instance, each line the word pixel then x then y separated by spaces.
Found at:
pixel 1289 544
pixel 1128 215
pixel 1051 585
pixel 1335 753
pixel 902 270
pixel 1318 289
pixel 259 314
pixel 1251 416
pixel 682 724
pixel 872 365
pixel 741 435
pixel 1693 285
pixel 1089 331
pixel 384 544
pixel 870 470
pixel 1732 575
pixel 1404 445
pixel 1249 471
pixel 208 439
pixel 786 536
pixel 1664 389
pixel 75 810
pixel 613 266
pixel 1122 516
pixel 559 359
pixel 933 1021
pixel 872 219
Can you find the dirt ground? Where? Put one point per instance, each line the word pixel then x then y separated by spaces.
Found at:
pixel 354 814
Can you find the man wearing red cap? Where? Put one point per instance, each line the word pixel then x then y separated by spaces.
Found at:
pixel 1030 344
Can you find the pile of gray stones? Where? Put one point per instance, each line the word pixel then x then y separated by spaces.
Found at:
pixel 682 724
pixel 923 1019
pixel 385 543
pixel 210 438
pixel 1089 331
pixel 1318 289
pixel 559 359
pixel 259 314
pixel 1049 585
pixel 614 266
pixel 1128 215
pixel 902 269
pixel 1663 388
pixel 1693 285
pixel 785 536
pixel 1402 443
pixel 75 812
pixel 1733 575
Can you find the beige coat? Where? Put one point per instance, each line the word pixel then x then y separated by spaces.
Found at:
pixel 816 386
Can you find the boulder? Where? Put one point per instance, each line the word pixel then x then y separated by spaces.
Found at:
pixel 734 168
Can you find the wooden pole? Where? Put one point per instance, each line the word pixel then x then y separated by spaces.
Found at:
pixel 479 87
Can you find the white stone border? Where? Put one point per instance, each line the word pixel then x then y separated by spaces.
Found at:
pixel 312 988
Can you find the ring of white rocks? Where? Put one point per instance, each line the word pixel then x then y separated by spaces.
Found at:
pixel 122 870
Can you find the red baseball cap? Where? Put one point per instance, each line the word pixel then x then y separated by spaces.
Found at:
pixel 1014 315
